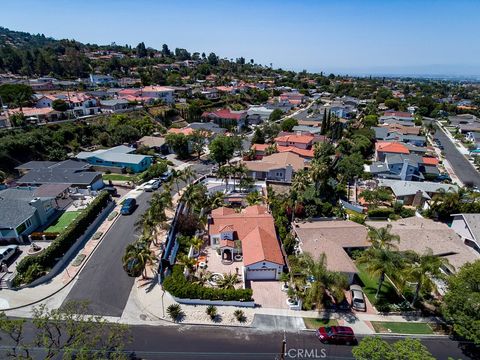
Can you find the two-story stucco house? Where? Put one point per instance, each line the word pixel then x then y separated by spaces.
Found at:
pixel 250 234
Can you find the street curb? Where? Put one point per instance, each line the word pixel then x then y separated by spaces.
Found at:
pixel 395 335
pixel 85 261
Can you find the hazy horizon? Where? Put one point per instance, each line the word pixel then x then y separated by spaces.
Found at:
pixel 359 38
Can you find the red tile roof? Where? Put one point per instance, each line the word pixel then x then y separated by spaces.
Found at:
pixel 300 152
pixel 184 131
pixel 225 114
pixel 391 147
pixel 430 161
pixel 398 113
pixel 259 245
pixel 260 147
pixel 255 227
pixel 301 139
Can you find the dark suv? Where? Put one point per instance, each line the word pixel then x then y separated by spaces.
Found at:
pixel 336 335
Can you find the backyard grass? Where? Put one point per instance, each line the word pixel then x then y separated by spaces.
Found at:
pixel 118 177
pixel 63 221
pixel 370 284
pixel 315 323
pixel 401 327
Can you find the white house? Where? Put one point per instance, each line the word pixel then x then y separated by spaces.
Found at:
pixel 159 92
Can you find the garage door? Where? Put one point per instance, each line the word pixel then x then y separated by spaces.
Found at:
pixel 261 274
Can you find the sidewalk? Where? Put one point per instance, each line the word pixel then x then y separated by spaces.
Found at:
pixel 12 299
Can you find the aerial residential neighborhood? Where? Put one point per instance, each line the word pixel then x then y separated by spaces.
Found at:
pixel 162 202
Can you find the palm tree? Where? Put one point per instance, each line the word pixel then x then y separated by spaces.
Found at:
pixel 254 198
pixel 272 149
pixel 300 183
pixel 382 238
pixel 323 280
pixel 318 173
pixel 189 174
pixel 189 263
pixel 216 200
pixel 137 256
pixel 224 173
pixel 202 278
pixel 194 196
pixel 422 269
pixel 380 262
pixel 239 171
pixel 196 242
pixel 228 281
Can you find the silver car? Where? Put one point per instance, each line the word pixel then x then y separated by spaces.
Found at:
pixel 358 298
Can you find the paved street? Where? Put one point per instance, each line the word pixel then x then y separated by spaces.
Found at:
pixel 197 342
pixel 463 169
pixel 103 282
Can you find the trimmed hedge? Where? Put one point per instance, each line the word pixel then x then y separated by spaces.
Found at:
pixel 380 213
pixel 49 257
pixel 177 285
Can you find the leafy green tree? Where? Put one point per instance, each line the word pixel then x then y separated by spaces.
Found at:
pixel 223 147
pixel 377 196
pixel 59 105
pixel 258 136
pixel 254 198
pixel 275 115
pixel 422 268
pixel 16 95
pixel 350 166
pixel 65 333
pixel 288 124
pixel 212 59
pixel 461 301
pixel 197 139
pixel 179 144
pixel 370 120
pixel 392 104
pixel 374 348
pixel 17 119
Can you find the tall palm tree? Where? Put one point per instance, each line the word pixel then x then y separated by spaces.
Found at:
pixel 216 200
pixel 224 173
pixel 382 238
pixel 300 183
pixel 137 256
pixel 254 198
pixel 194 196
pixel 323 280
pixel 380 262
pixel 318 173
pixel 189 174
pixel 422 269
pixel 196 242
pixel 239 171
pixel 228 281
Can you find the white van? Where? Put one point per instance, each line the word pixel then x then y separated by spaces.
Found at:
pixel 6 252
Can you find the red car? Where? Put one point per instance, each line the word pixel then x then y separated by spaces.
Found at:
pixel 336 335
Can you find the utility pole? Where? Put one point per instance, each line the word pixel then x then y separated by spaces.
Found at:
pixel 284 346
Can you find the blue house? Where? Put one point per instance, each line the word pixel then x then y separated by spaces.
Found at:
pixel 119 157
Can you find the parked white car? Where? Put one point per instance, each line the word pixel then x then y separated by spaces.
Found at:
pixel 152 185
pixel 6 252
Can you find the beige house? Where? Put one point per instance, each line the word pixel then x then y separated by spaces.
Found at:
pixel 277 167
pixel 419 234
pixel 334 238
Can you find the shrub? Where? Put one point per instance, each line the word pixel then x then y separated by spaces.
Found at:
pixel 175 312
pixel 380 213
pixel 177 285
pixel 211 311
pixel 240 316
pixel 49 257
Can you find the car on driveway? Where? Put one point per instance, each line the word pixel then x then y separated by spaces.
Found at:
pixel 358 298
pixel 128 206
pixel 166 176
pixel 152 185
pixel 6 252
pixel 336 335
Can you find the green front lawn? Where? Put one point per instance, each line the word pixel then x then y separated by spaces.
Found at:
pixel 118 177
pixel 401 327
pixel 63 221
pixel 315 323
pixel 370 285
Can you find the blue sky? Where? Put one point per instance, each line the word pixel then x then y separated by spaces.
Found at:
pixel 342 36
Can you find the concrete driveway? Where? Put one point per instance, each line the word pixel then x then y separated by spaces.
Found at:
pixel 278 323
